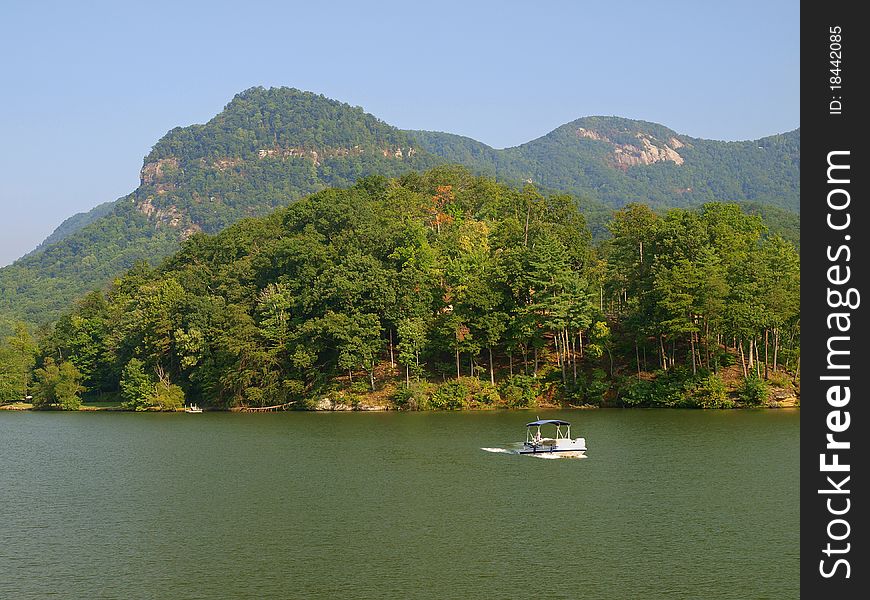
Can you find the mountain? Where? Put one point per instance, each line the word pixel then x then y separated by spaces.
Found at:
pixel 617 161
pixel 269 147
pixel 266 149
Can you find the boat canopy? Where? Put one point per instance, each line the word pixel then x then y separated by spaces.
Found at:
pixel 547 422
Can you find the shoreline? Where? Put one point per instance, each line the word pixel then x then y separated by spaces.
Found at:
pixel 785 403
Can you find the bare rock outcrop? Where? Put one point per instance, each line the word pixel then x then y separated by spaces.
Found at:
pixel 629 155
pixel 320 154
pixel 168 216
pixel 152 172
pixel 650 150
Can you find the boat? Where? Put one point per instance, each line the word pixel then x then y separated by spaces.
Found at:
pixel 193 408
pixel 561 444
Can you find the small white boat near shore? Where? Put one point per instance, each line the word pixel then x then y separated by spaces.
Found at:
pixel 193 408
pixel 560 444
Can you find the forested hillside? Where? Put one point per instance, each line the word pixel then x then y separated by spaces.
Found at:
pixel 270 147
pixel 436 290
pixel 617 161
pixel 265 150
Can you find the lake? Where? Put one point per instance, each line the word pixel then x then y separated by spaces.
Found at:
pixel 668 504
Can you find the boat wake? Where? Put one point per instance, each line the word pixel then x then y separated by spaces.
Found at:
pixel 499 450
pixel 547 455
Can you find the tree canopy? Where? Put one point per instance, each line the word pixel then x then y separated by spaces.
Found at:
pixel 443 275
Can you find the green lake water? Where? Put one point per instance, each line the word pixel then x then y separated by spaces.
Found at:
pixel 668 504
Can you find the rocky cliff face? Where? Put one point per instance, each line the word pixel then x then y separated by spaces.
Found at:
pixel 319 154
pixel 154 171
pixel 646 151
pixel 169 216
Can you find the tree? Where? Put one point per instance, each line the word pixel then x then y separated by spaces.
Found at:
pixel 412 340
pixel 136 386
pixel 17 358
pixel 57 386
pixel 81 336
pixel 68 387
pixel 492 327
pixel 166 396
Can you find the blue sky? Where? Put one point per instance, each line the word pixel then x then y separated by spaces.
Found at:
pixel 88 88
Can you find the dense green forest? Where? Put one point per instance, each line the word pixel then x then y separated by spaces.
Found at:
pixel 270 147
pixel 435 290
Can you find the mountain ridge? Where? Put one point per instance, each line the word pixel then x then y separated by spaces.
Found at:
pixel 270 147
pixel 660 167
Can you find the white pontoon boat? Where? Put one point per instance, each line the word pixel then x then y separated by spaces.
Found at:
pixel 193 408
pixel 561 443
